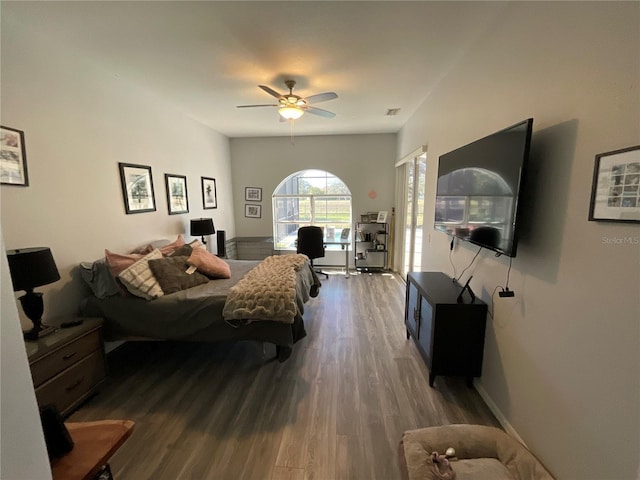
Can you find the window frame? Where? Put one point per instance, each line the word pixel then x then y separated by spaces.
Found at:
pixel 312 199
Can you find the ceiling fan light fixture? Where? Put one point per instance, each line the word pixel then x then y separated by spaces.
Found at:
pixel 291 112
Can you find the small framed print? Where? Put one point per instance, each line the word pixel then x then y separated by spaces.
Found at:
pixel 253 194
pixel 177 201
pixel 137 188
pixel 13 157
pixel 209 193
pixel 382 217
pixel 253 211
pixel 615 192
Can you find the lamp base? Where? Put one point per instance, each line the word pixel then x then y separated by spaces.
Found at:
pixel 38 332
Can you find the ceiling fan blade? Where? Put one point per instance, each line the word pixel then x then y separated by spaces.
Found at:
pixel 270 91
pixel 251 106
pixel 321 97
pixel 319 111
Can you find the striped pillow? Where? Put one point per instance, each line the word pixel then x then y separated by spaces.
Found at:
pixel 139 279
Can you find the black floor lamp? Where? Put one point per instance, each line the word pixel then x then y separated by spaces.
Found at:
pixel 31 268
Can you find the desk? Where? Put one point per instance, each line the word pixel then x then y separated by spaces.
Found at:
pixel 344 245
pixel 94 444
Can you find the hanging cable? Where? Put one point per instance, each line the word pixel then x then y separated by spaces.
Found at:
pixel 468 266
pixel 451 259
pixel 493 303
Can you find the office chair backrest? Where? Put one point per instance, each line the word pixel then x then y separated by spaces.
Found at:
pixel 311 242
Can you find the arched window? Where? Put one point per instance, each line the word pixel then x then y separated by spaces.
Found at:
pixel 310 197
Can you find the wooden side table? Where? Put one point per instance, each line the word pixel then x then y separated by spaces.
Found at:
pixel 69 365
pixel 94 444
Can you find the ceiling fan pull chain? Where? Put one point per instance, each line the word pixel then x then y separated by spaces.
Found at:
pixel 293 142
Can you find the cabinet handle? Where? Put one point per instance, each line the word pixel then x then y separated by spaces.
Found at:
pixel 69 355
pixel 75 385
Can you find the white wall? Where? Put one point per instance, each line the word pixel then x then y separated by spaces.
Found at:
pixel 79 122
pixel 363 162
pixel 23 454
pixel 562 358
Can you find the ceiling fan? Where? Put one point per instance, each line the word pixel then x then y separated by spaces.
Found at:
pixel 292 107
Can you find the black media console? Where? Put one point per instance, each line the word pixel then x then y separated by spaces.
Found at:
pixel 447 327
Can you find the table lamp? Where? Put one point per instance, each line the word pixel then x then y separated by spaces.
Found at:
pixel 30 268
pixel 202 227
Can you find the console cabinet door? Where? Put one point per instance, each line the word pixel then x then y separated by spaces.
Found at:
pixel 411 310
pixel 425 337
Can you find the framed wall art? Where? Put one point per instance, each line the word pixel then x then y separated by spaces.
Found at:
pixel 137 188
pixel 253 194
pixel 209 194
pixel 615 192
pixel 13 157
pixel 253 211
pixel 177 201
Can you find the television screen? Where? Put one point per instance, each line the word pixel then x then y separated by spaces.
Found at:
pixel 478 188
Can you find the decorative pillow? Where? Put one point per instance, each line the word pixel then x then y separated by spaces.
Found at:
pixel 143 249
pixel 171 273
pixel 139 280
pixel 99 278
pixel 197 244
pixel 183 251
pixel 167 249
pixel 118 262
pixel 209 264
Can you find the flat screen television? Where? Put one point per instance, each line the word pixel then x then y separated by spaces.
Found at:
pixel 479 187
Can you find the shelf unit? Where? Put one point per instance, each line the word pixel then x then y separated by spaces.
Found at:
pixel 371 242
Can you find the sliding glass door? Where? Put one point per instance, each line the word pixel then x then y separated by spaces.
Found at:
pixel 413 173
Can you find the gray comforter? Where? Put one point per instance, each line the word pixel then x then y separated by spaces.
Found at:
pixel 195 314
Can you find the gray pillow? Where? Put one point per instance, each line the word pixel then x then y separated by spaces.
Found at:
pixel 170 272
pixel 184 250
pixel 99 278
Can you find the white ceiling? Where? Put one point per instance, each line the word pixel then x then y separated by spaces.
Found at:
pixel 207 57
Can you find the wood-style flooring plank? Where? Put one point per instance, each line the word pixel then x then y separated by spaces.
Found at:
pixel 335 409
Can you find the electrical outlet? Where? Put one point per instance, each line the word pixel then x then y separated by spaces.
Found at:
pixel 507 293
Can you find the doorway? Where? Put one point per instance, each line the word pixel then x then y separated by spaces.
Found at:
pixel 411 179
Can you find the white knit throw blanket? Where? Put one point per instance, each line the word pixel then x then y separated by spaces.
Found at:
pixel 266 292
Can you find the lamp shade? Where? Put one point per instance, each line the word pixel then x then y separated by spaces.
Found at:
pixel 202 226
pixel 291 112
pixel 32 267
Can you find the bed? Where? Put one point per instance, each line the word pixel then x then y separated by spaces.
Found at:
pixel 198 313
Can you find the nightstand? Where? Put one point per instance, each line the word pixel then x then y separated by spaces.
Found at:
pixel 68 366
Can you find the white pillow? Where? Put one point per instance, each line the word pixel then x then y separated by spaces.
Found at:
pixel 139 280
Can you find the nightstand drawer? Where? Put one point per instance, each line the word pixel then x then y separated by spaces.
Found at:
pixel 74 384
pixel 45 368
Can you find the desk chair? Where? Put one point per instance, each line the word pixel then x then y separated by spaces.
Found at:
pixel 311 243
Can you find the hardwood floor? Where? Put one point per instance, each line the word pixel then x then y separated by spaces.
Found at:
pixel 335 410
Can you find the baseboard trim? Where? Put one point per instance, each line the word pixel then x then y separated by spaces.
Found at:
pixel 498 414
